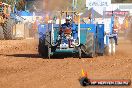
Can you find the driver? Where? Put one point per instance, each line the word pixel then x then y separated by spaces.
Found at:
pixel 66 27
pixel 67 24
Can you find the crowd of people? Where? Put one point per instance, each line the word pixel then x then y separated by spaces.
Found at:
pixel 125 25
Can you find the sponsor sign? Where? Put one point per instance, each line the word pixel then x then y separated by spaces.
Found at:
pixel 117 13
pixel 98 3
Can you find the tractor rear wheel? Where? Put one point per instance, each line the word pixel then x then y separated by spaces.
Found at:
pixel 42 48
pixel 88 48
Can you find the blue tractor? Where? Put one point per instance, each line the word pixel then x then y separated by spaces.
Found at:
pixel 82 40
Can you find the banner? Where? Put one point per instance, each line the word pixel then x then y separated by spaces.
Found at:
pixel 117 13
pixel 98 3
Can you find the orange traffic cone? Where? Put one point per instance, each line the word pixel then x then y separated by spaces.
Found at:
pixel 84 74
pixel 84 81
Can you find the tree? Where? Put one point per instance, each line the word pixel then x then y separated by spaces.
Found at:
pixel 21 5
pixel 81 5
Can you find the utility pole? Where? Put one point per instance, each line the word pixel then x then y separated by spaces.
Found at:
pixel 14 6
pixel 74 5
pixel 6 1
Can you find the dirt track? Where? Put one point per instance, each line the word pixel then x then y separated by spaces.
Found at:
pixel 21 67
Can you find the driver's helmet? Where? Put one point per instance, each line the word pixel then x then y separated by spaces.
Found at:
pixel 68 18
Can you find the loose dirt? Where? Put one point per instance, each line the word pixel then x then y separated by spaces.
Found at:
pixel 22 67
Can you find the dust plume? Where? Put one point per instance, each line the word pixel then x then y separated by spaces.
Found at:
pixel 53 5
pixel 129 35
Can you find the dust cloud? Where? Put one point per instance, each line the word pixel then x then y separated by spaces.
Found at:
pixel 129 35
pixel 54 5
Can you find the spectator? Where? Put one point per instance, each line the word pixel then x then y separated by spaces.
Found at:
pixel 126 25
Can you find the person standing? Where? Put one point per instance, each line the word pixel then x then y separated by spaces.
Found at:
pixel 116 29
pixel 126 25
pixel 35 27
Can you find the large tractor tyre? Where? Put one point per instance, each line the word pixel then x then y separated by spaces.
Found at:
pixel 88 48
pixel 8 29
pixel 110 49
pixel 79 53
pixel 1 33
pixel 42 49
